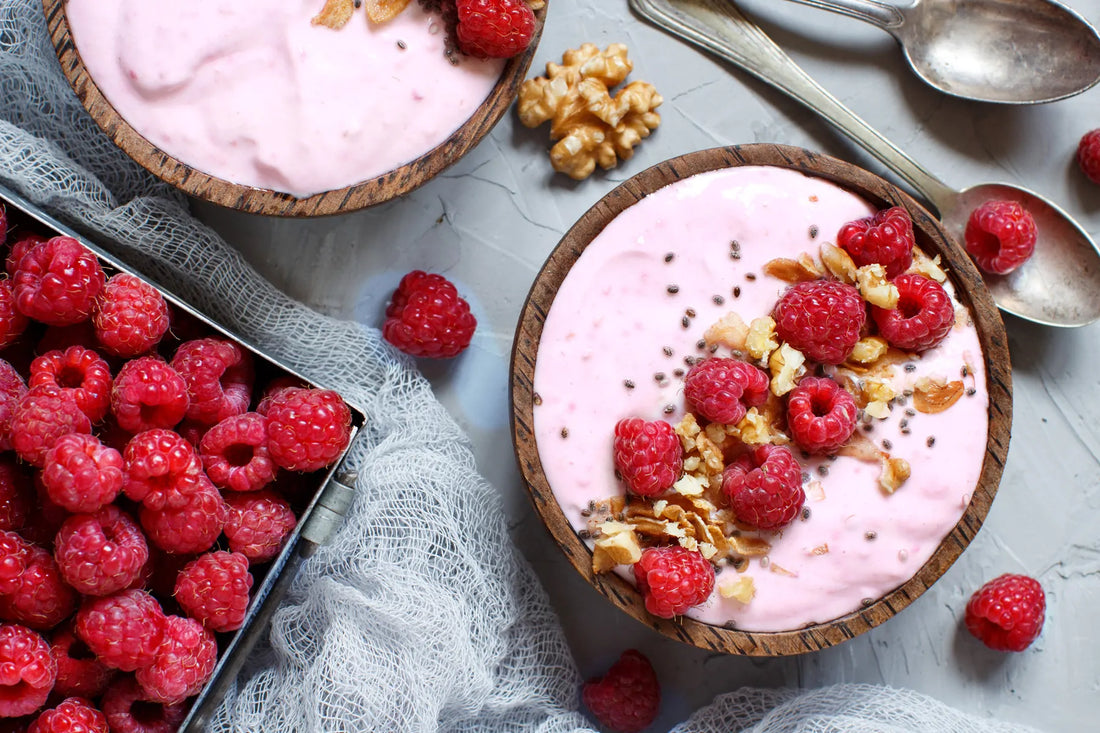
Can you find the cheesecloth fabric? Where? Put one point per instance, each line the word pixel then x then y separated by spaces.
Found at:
pixel 401 624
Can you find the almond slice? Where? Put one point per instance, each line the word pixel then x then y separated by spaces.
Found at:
pixel 335 14
pixel 932 396
pixel 379 11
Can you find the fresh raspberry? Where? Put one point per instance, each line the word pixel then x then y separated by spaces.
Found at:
pixel 81 474
pixel 58 281
pixel 307 429
pixel 12 322
pixel 123 630
pixel 625 699
pixel 1088 155
pixel 764 487
pixel 43 415
pixel 12 390
pixel 258 524
pixel 1007 613
pixel 673 579
pixel 722 390
pixel 426 316
pixel 99 554
pixel 78 671
pixel 274 387
pixel 219 376
pixel 213 589
pixel 190 528
pixel 127 710
pixel 148 394
pixel 647 455
pixel 27 671
pixel 820 318
pixel 20 247
pixel 235 454
pixel 497 29
pixel 1000 236
pixel 131 317
pixel 15 555
pixel 78 372
pixel 16 494
pixel 183 664
pixel 162 469
pixel 72 715
pixel 43 599
pixel 886 238
pixel 820 415
pixel 922 318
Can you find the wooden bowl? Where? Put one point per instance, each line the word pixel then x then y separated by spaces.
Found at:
pixel 274 203
pixel 930 236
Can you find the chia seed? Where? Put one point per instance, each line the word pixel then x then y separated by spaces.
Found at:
pixel 685 322
pixel 910 367
pixel 690 313
pixel 565 432
pixel 659 376
pixel 823 470
pixel 402 45
pixel 970 392
pixel 677 372
pixel 910 412
pixel 584 534
pixel 870 535
pixel 887 445
pixel 537 399
pixel 669 409
pixel 931 441
pixel 868 601
pixel 813 231
pixel 667 350
pixel 628 383
pixel 750 276
pixel 805 513
pixel 735 250
pixel 737 291
pixel 700 344
pixel 669 257
pixel 718 299
pixel 673 289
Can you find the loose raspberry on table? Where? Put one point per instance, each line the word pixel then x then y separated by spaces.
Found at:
pixel 494 28
pixel 43 415
pixel 72 715
pixel 20 247
pixel 923 317
pixel 219 376
pixel 127 710
pixel 27 671
pixel 123 630
pixel 191 528
pixel 820 318
pixel 1007 613
pixel 673 579
pixel 764 487
pixel 79 372
pixel 426 317
pixel 627 698
pixel 885 238
pixel 183 663
pixel 15 555
pixel 307 429
pixel 1000 236
pixel 131 317
pixel 42 600
pixel 235 454
pixel 148 394
pixel 101 553
pixel 821 415
pixel 722 390
pixel 81 474
pixel 12 389
pixel 16 494
pixel 1088 155
pixel 647 455
pixel 79 672
pixel 12 322
pixel 258 524
pixel 57 282
pixel 162 469
pixel 213 589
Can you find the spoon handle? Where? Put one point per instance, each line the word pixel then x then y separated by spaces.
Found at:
pixel 887 17
pixel 719 27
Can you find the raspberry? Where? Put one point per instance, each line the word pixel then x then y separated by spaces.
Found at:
pixel 1007 613
pixel 16 494
pixel 128 712
pixel 820 415
pixel 764 487
pixel 426 317
pixel 258 524
pixel 213 589
pixel 1000 236
pixel 43 415
pixel 820 318
pixel 57 282
pixel 625 699
pixel 235 454
pixel 27 671
pixel 43 599
pixel 923 317
pixel 722 390
pixel 647 455
pixel 81 474
pixel 148 394
pixel 12 322
pixel 79 372
pixel 219 376
pixel 183 664
pixel 12 389
pixel 131 316
pixel 886 238
pixel 494 28
pixel 20 247
pixel 307 429
pixel 15 555
pixel 1088 155
pixel 274 387
pixel 673 579
pixel 162 469
pixel 190 528
pixel 123 630
pixel 78 671
pixel 99 554
pixel 72 715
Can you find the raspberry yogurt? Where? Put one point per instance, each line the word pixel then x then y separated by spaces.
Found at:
pixel 627 321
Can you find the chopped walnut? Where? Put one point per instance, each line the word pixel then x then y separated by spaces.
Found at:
pixel 875 288
pixel 927 266
pixel 740 588
pixel 761 340
pixel 839 263
pixel 619 547
pixel 802 269
pixel 787 365
pixel 756 428
pixel 729 331
pixel 869 349
pixel 895 471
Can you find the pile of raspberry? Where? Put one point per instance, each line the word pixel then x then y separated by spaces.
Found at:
pixel 149 468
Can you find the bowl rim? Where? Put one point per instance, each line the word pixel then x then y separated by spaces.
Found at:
pixel 930 236
pixel 368 192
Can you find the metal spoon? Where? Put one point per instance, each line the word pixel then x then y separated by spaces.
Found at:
pixel 1009 51
pixel 1058 286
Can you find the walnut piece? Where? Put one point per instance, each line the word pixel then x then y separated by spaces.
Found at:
pixel 729 331
pixel 875 288
pixel 761 340
pixel 741 588
pixel 787 366
pixel 839 263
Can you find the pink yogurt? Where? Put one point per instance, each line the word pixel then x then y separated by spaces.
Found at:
pixel 613 317
pixel 251 92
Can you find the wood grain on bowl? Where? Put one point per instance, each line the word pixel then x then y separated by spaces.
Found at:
pixel 201 185
pixel 930 237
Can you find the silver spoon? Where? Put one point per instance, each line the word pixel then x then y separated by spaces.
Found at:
pixel 1058 286
pixel 1010 51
